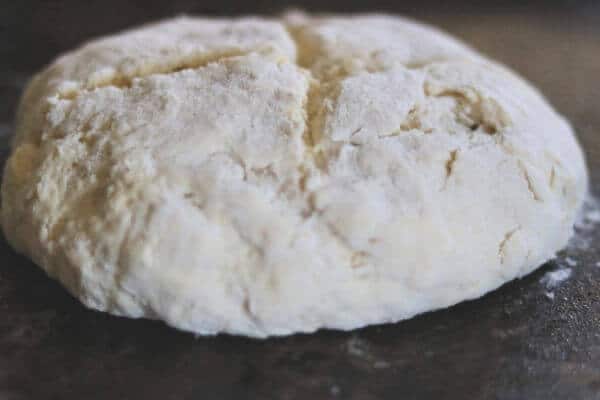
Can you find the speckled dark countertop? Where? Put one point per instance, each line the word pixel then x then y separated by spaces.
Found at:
pixel 514 343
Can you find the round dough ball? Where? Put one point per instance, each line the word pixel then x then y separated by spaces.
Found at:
pixel 264 177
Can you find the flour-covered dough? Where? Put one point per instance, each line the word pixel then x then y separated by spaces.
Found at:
pixel 264 177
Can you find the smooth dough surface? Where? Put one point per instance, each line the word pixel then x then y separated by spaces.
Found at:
pixel 264 177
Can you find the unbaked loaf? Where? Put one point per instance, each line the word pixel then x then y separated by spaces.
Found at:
pixel 270 176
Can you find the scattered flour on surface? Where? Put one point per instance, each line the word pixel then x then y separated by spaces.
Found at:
pixel 585 227
pixel 593 216
pixel 381 364
pixel 334 390
pixel 553 279
pixel 359 348
pixel 585 224
pixel 570 262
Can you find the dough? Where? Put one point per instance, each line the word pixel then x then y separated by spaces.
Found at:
pixel 264 177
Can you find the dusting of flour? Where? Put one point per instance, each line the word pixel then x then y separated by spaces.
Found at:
pixel 585 225
pixel 553 279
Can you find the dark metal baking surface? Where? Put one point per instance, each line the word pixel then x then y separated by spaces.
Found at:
pixel 514 343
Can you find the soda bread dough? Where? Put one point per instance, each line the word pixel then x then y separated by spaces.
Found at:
pixel 264 177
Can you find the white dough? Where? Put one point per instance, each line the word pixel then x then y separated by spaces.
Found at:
pixel 264 177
